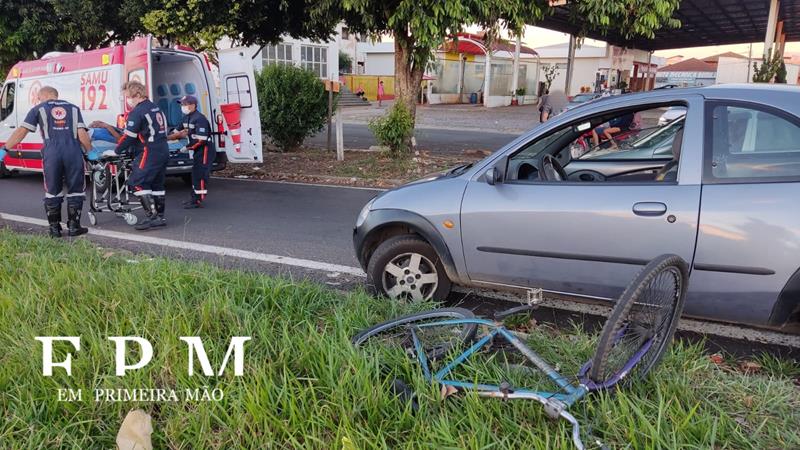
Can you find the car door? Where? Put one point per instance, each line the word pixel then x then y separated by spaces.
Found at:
pixel 747 263
pixel 8 120
pixel 238 87
pixel 585 238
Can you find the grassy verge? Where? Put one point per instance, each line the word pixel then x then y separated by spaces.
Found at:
pixel 304 386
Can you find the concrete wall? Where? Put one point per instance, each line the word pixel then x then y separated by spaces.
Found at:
pixel 379 64
pixel 733 70
pixel 583 74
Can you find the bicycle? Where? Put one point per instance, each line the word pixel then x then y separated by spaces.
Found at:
pixel 633 340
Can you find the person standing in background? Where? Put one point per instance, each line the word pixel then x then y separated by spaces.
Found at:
pixel 545 108
pixel 197 128
pixel 380 93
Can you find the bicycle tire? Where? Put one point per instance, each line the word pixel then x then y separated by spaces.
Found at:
pixel 466 334
pixel 616 327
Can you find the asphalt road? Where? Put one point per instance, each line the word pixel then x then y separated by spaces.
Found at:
pixel 299 221
pixel 358 136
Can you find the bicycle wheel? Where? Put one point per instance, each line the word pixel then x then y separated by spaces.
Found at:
pixel 642 323
pixel 436 340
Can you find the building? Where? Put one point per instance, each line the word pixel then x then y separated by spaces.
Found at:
pixel 322 58
pixel 460 72
pixel 689 72
pixel 376 58
pixel 598 68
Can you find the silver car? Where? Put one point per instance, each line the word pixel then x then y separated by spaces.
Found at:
pixel 724 198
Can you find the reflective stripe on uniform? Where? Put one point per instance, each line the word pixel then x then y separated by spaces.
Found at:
pixel 199 138
pixel 49 195
pixel 130 133
pixel 77 194
pixel 201 192
pixel 158 193
pixel 152 137
pixel 75 123
pixel 45 130
pixel 142 192
pixel 28 126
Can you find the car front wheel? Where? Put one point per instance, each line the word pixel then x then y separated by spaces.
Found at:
pixel 407 268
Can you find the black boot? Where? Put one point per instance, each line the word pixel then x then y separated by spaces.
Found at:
pixel 74 221
pixel 159 220
pixel 195 202
pixel 150 212
pixel 54 219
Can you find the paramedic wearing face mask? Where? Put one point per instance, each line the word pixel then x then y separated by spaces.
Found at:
pixel 146 135
pixel 63 133
pixel 195 125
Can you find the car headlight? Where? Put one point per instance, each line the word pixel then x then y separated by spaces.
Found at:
pixel 362 216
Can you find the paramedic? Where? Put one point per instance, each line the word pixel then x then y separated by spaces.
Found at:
pixel 63 133
pixel 146 135
pixel 195 125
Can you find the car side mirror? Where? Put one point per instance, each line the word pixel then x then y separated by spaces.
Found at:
pixel 492 176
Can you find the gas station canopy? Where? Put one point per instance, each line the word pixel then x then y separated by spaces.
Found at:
pixel 703 22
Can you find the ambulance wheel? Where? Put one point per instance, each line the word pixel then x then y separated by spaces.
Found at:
pixel 187 179
pixel 130 219
pixel 92 218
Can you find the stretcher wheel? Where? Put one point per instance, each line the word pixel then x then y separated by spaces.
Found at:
pixel 130 219
pixel 92 218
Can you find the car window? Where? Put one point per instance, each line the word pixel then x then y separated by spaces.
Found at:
pixel 750 143
pixel 647 138
pixel 7 101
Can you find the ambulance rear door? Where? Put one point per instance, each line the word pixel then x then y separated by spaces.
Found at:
pixel 138 63
pixel 238 86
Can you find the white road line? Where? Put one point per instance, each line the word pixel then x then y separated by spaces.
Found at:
pixel 297 183
pixel 213 249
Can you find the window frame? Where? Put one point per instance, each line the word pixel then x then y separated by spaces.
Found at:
pixel 269 54
pixel 638 107
pixel 312 59
pixel 4 95
pixel 239 92
pixel 708 141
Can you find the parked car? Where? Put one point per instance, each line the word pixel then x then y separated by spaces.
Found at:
pixel 723 198
pixel 579 99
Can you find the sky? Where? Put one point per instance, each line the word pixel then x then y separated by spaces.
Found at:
pixel 539 37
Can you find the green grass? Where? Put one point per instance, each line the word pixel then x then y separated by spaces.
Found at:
pixel 304 385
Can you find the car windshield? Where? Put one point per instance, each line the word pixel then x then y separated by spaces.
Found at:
pixel 645 143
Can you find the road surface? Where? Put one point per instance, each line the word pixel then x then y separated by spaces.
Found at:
pixel 358 136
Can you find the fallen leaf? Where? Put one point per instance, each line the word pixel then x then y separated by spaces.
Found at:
pixel 748 401
pixel 750 366
pixel 717 359
pixel 448 390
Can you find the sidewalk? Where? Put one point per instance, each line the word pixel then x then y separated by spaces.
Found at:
pixel 505 119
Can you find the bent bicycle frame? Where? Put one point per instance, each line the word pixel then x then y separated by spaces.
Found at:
pixel 555 403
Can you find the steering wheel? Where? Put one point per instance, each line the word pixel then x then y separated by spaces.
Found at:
pixel 552 169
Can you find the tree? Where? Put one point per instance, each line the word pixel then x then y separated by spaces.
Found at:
pixel 419 27
pixel 769 69
pixel 550 73
pixel 345 63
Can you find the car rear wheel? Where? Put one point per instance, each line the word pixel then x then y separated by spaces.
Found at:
pixel 407 268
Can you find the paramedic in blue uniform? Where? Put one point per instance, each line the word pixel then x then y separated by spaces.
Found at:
pixel 145 136
pixel 63 134
pixel 197 128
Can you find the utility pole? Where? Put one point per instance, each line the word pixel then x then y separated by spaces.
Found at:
pixel 749 62
pixel 570 65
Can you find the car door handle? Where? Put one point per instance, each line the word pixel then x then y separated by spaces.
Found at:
pixel 649 209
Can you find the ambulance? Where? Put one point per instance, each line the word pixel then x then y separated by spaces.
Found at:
pixel 93 81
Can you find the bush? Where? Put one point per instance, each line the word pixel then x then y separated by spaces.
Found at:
pixel 293 104
pixel 394 130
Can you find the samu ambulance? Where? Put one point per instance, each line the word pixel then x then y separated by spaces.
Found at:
pixel 93 81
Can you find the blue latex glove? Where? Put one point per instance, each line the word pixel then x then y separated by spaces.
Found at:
pixel 3 153
pixel 93 155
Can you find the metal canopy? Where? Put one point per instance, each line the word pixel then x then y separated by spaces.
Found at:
pixel 703 22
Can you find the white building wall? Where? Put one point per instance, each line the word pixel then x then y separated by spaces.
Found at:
pixel 379 64
pixel 583 74
pixel 298 45
pixel 734 70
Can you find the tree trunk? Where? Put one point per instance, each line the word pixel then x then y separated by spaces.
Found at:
pixel 407 75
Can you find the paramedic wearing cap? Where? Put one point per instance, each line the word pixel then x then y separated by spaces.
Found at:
pixel 195 125
pixel 63 133
pixel 146 135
